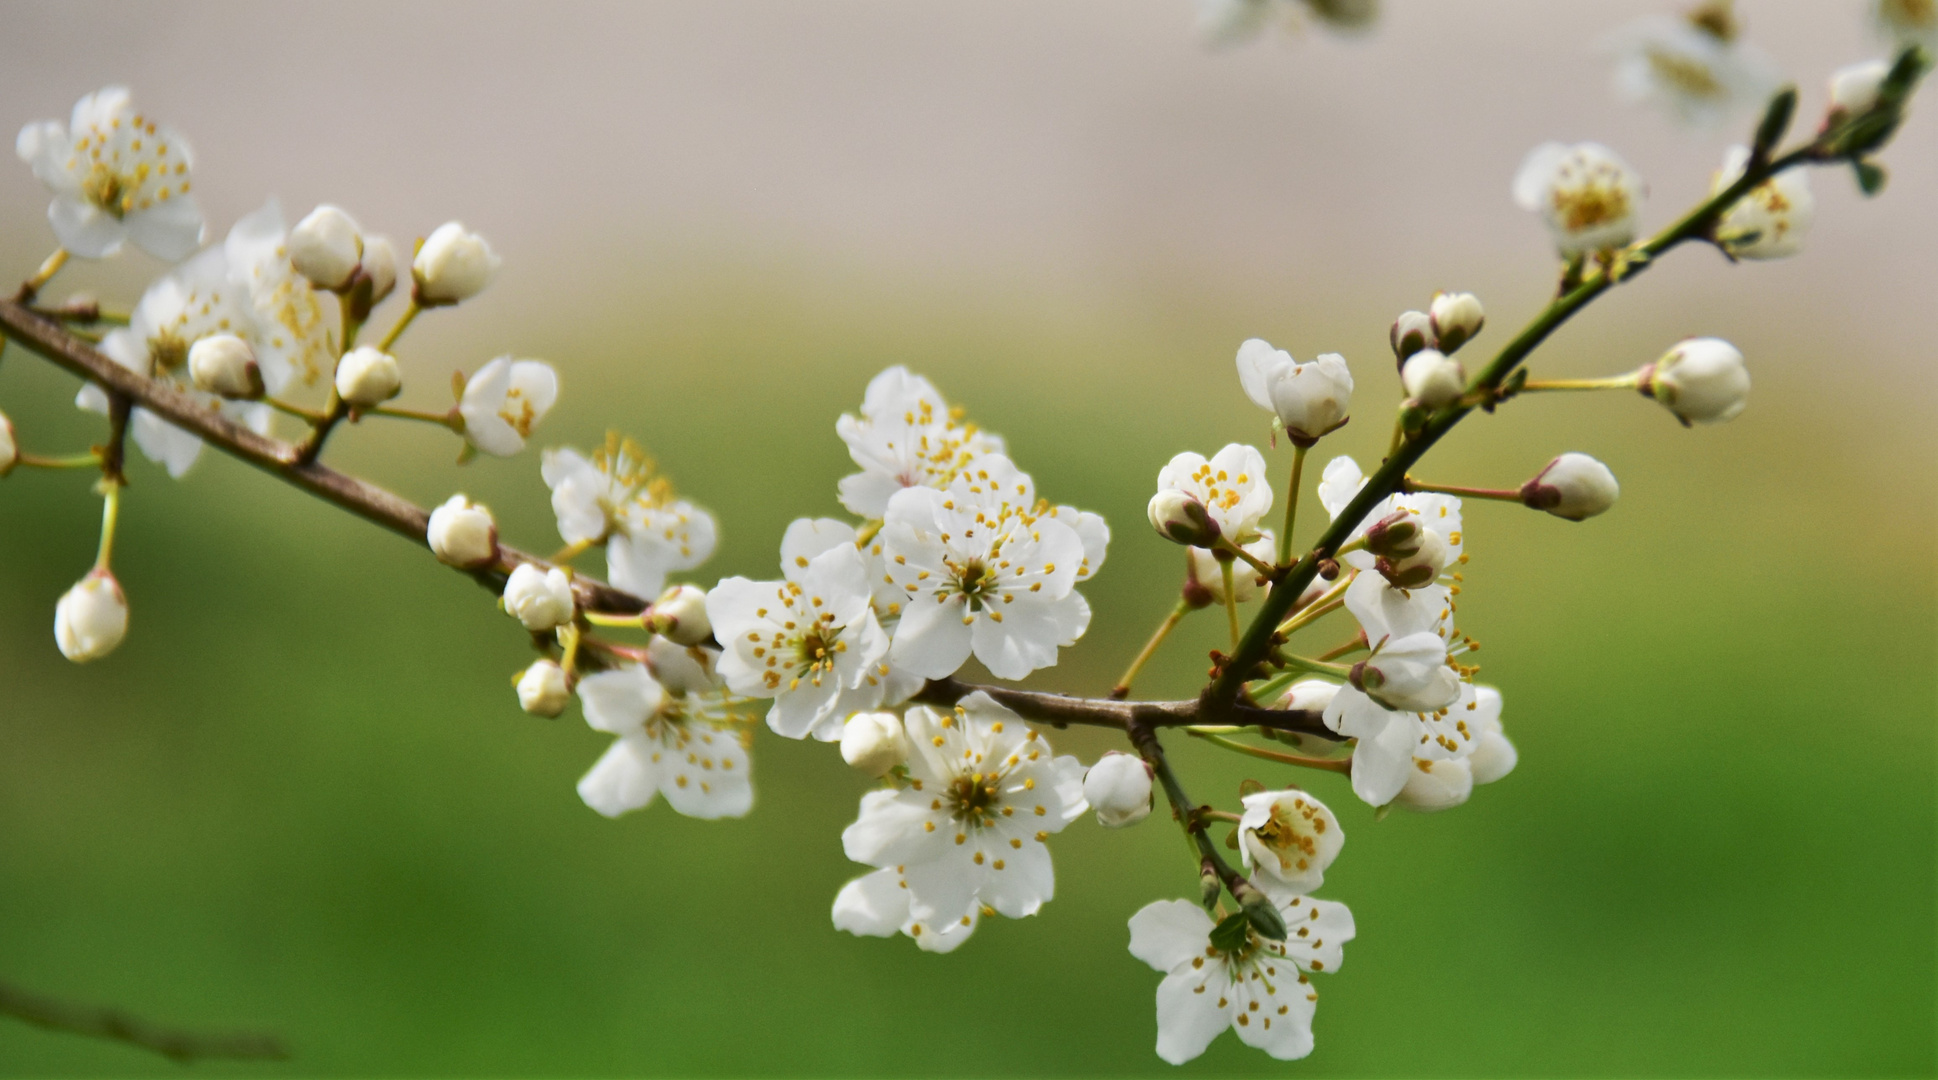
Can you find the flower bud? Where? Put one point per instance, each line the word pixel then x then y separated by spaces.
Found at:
pixel 1456 318
pixel 1422 567
pixel 380 266
pixel 1308 399
pixel 542 690
pixel 326 247
pixel 1395 536
pixel 92 618
pixel 1854 89
pixel 1409 674
pixel 1701 380
pixel 1573 486
pixel 225 365
pixel 1433 378
pixel 541 599
pixel 366 378
pixel 680 615
pixel 1432 786
pixel 1182 519
pixel 462 534
pixel 874 742
pixel 1118 788
pixel 1411 332
pixel 452 265
pixel 1309 695
pixel 9 449
pixel 1260 911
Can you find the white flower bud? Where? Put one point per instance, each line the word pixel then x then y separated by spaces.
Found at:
pixel 9 449
pixel 542 690
pixel 540 599
pixel 1432 786
pixel 1456 318
pixel 1309 695
pixel 225 365
pixel 874 742
pixel 1409 674
pixel 92 618
pixel 366 378
pixel 1433 378
pixel 1309 399
pixel 1182 519
pixel 680 615
pixel 1854 89
pixel 1118 788
pixel 326 247
pixel 1573 486
pixel 380 265
pixel 1701 380
pixel 452 265
pixel 462 534
pixel 1411 332
pixel 1429 555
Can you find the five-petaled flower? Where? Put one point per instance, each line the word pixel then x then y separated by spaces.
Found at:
pixel 1231 486
pixel 503 401
pixel 1698 67
pixel 1587 195
pixel 617 498
pixel 681 734
pixel 906 436
pixel 116 176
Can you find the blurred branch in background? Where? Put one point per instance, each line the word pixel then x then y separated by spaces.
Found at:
pixel 97 1022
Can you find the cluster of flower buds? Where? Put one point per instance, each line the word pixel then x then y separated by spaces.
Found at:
pixel 1424 343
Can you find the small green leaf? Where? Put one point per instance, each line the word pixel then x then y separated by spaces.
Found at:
pixel 1234 933
pixel 1249 787
pixel 1870 176
pixel 1776 121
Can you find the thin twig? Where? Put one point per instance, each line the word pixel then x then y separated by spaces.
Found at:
pixel 112 1024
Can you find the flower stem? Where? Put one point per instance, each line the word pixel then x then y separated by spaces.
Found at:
pixel 445 419
pixel 1613 382
pixel 1231 602
pixel 1123 687
pixel 48 268
pixel 310 415
pixel 397 329
pixel 571 551
pixel 72 461
pixel 1316 667
pixel 1291 504
pixel 1225 545
pixel 1328 602
pixel 110 516
pixel 1189 817
pixel 600 618
pixel 1497 494
pixel 1347 649
pixel 1338 765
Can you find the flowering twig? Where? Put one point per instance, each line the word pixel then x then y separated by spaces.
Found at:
pixel 178 1046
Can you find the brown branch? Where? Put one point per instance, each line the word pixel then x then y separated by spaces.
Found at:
pixel 280 459
pixel 1060 710
pixel 179 1046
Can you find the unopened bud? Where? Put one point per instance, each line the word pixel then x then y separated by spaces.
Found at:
pixel 380 266
pixel 1854 89
pixel 91 618
pixel 542 689
pixel 1210 885
pixel 1309 695
pixel 1701 380
pixel 680 615
pixel 1260 910
pixel 1430 556
pixel 1118 788
pixel 874 742
pixel 9 449
pixel 454 264
pixel 540 599
pixel 1395 536
pixel 1182 519
pixel 462 534
pixel 366 378
pixel 225 365
pixel 1433 378
pixel 326 247
pixel 1573 486
pixel 1409 674
pixel 1411 332
pixel 1456 317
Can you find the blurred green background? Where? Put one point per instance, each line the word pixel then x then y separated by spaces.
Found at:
pixel 301 797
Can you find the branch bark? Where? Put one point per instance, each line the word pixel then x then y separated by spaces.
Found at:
pixel 1059 710
pixel 114 1025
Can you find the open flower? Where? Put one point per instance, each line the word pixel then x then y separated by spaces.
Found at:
pixel 1231 486
pixel 984 794
pixel 985 569
pixel 1698 67
pixel 1431 601
pixel 1389 741
pixel 292 334
pixel 1287 839
pixel 1772 220
pixel 1587 195
pixel 876 905
pixel 1308 399
pixel 504 400
pixel 1260 989
pixel 680 733
pixel 811 644
pixel 616 497
pixel 116 176
pixel 906 436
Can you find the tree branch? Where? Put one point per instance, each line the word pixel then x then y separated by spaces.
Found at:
pixel 280 459
pixel 179 1046
pixel 1060 710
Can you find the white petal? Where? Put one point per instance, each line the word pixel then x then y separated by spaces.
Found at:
pixel 1168 933
pixel 164 443
pixel 1188 1013
pixel 888 831
pixel 931 640
pixel 807 538
pixel 1026 880
pixel 170 230
pixel 872 905
pixel 621 780
pixel 85 229
pixel 621 700
pixel 707 777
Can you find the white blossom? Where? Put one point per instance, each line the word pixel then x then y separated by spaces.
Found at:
pixel 680 734
pixel 380 264
pixel 1389 741
pixel 462 533
pixel 1118 788
pixel 292 331
pixel 454 264
pixel 969 830
pixel 1907 22
pixel 1701 380
pixel 1287 839
pixel 326 247
pixel 1573 486
pixel 813 644
pixel 1699 70
pixel 504 401
pixel 986 569
pixel 1435 512
pixel 807 538
pixel 1261 990
pixel 1587 195
pixel 542 689
pixel 1454 319
pixel 1231 22
pixel 616 497
pixel 539 597
pixel 1771 221
pixel 1494 756
pixel 116 176
pixel 91 618
pixel 1439 785
pixel 906 436
pixel 1308 399
pixel 1433 378
pixel 1232 487
pixel 876 905
pixel 874 742
pixel 367 377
